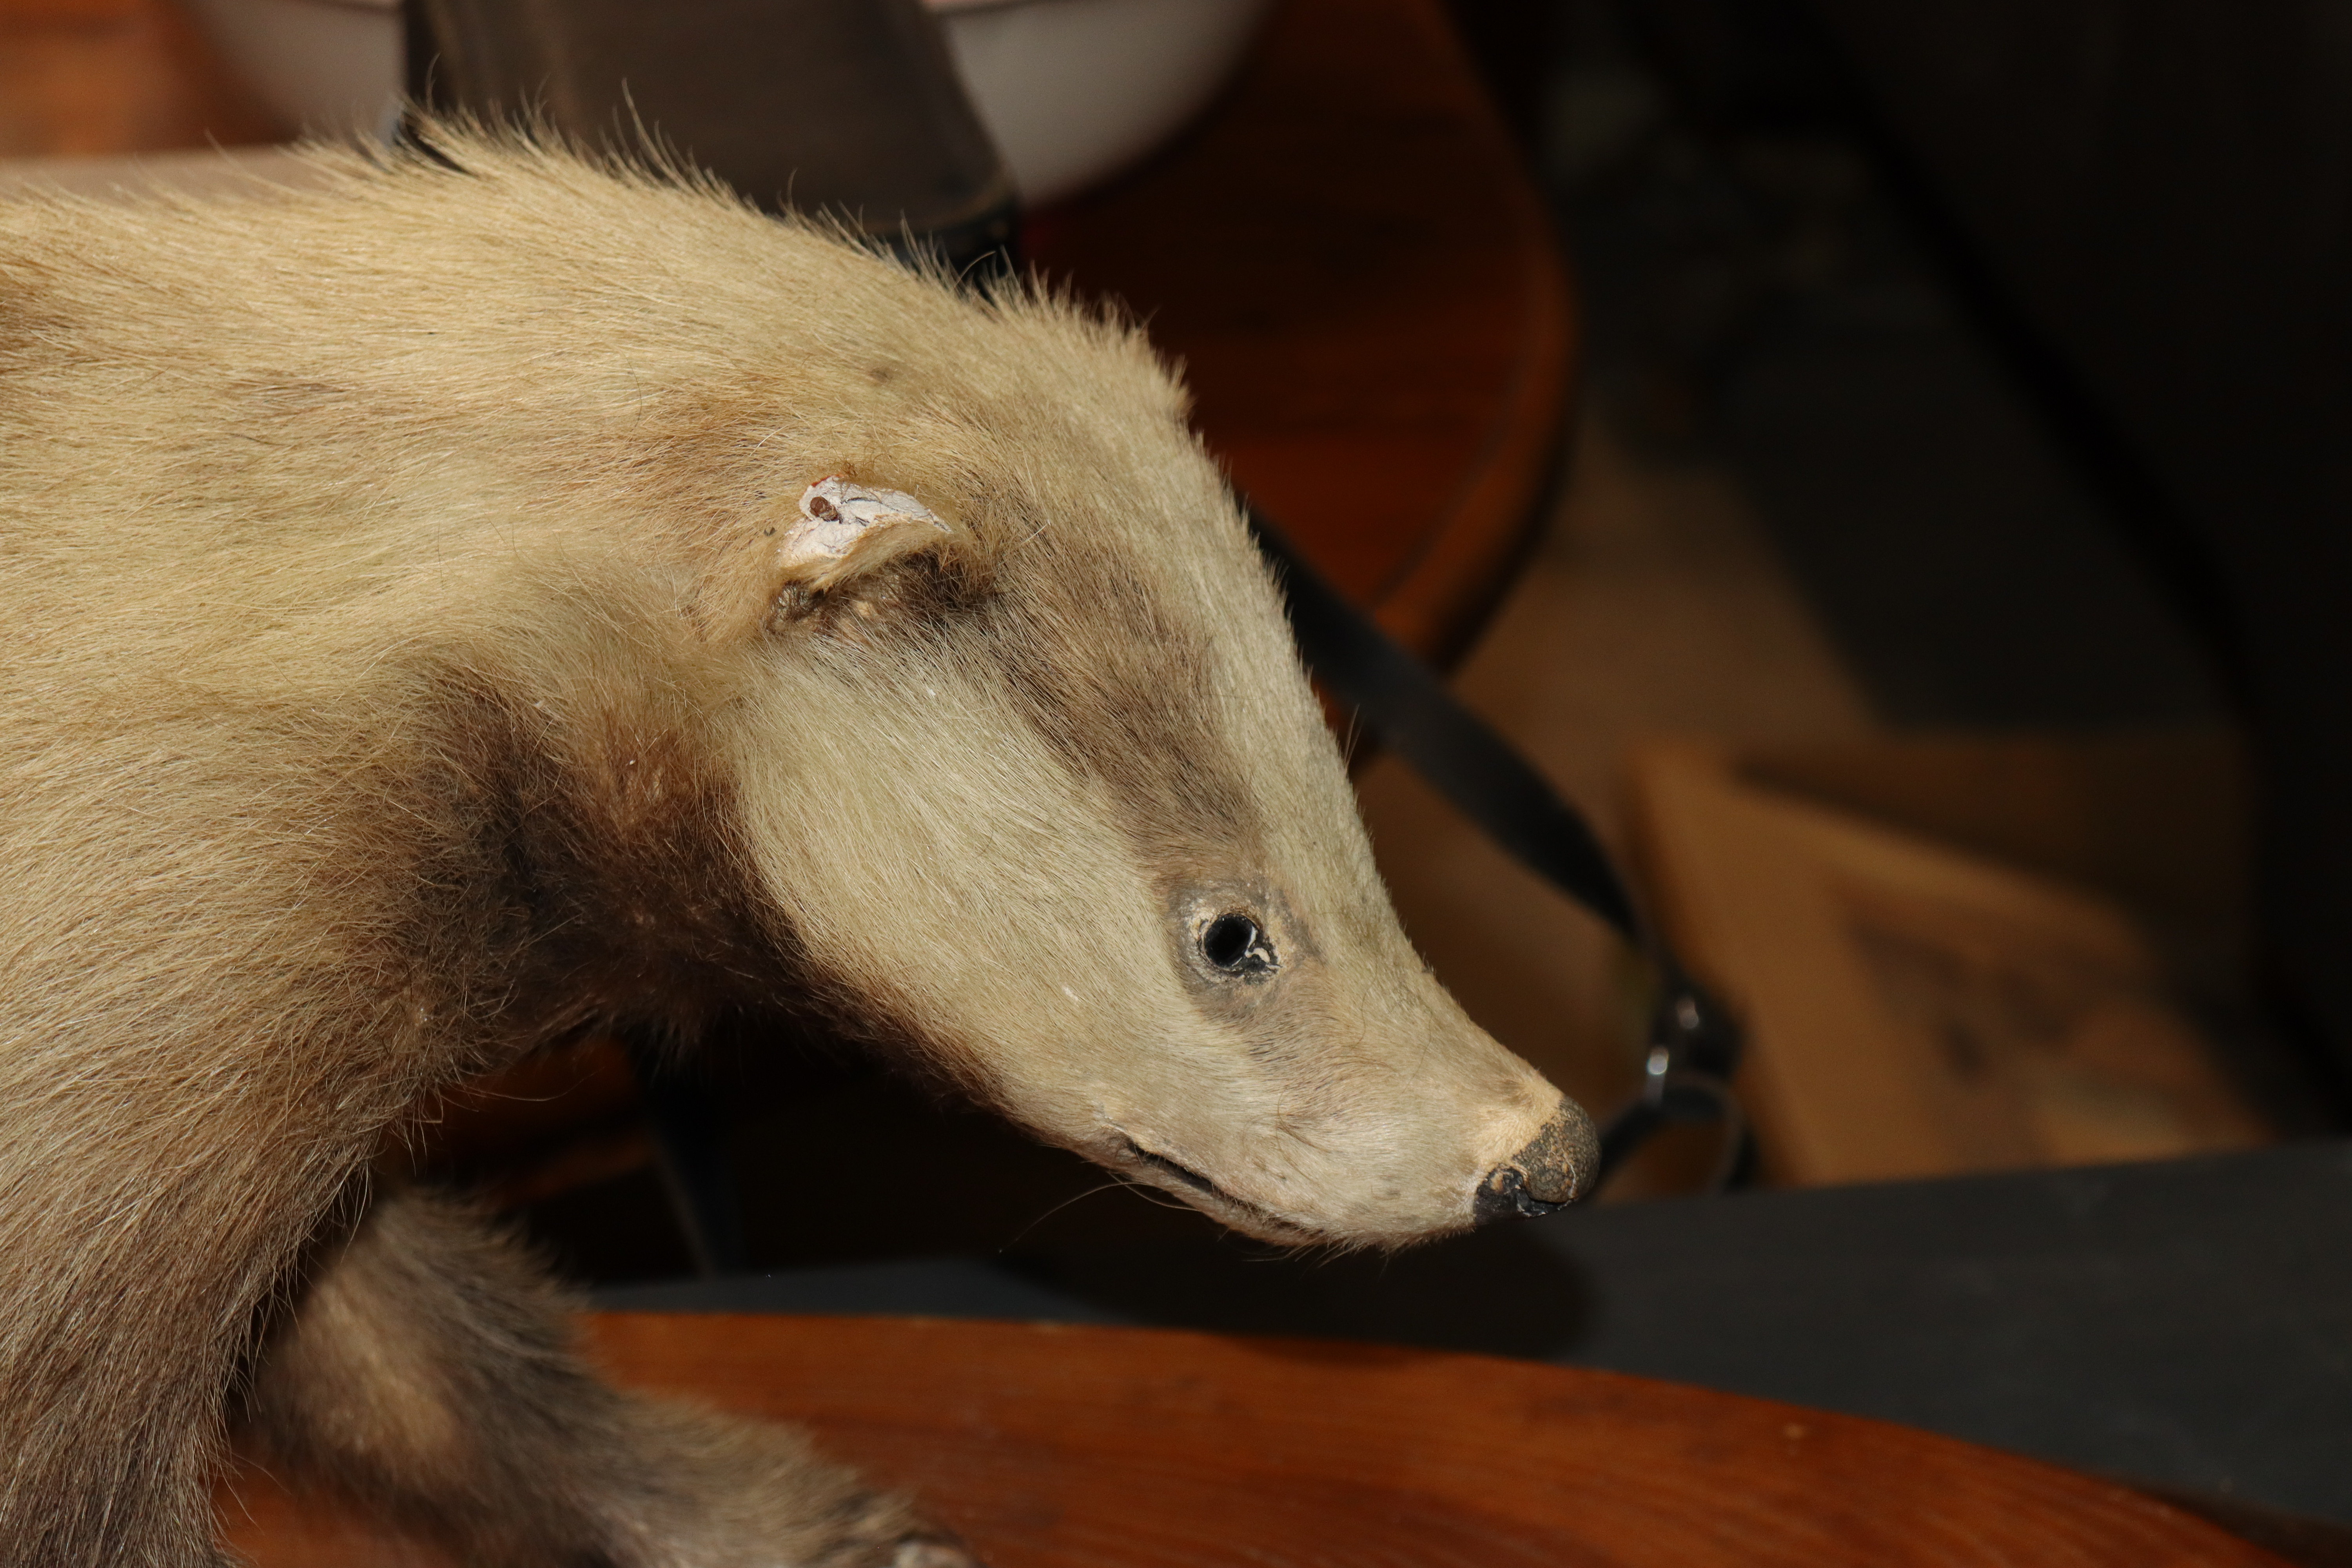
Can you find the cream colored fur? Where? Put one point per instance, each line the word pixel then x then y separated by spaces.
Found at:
pixel 401 671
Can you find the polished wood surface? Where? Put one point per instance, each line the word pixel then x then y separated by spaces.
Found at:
pixel 1068 1447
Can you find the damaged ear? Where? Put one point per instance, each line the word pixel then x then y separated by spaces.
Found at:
pixel 846 529
pixel 836 554
pixel 850 557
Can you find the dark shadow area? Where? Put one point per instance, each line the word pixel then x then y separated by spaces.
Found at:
pixel 624 1228
pixel 2027 329
pixel 869 1167
pixel 831 1157
pixel 1499 1291
pixel 1762 296
pixel 2186 1324
pixel 1496 1292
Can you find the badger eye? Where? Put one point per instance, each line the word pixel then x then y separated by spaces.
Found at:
pixel 1235 944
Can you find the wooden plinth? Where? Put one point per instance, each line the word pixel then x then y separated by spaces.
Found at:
pixel 1065 1447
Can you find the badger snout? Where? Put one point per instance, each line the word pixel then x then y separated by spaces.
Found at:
pixel 1554 1169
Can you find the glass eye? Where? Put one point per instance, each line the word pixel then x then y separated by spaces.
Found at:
pixel 1234 943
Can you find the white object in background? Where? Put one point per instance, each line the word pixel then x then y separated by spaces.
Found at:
pixel 1075 91
pixel 1072 90
pixel 328 67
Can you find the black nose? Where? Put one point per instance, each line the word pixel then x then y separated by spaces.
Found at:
pixel 1545 1176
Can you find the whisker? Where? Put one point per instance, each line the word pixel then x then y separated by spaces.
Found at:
pixel 1057 1208
pixel 1158 1199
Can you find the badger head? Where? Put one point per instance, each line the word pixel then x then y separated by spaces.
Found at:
pixel 1031 769
pixel 965 659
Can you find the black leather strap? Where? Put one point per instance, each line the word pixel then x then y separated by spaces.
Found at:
pixel 1693 1043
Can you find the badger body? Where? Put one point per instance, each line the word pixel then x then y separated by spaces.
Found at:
pixel 462 602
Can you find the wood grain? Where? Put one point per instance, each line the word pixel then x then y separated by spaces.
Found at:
pixel 1065 1447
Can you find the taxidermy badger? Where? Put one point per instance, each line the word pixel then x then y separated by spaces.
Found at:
pixel 449 610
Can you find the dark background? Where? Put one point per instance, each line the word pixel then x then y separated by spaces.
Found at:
pixel 2028 326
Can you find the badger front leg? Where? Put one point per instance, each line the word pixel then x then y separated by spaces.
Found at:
pixel 427 1372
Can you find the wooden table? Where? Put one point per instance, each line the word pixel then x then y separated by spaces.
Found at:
pixel 1065 1448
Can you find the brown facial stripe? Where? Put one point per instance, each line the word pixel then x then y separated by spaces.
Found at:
pixel 1120 688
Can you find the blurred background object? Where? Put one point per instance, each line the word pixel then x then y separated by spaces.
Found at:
pixel 84 77
pixel 1075 91
pixel 847 108
pixel 1071 91
pixel 1059 1446
pixel 326 67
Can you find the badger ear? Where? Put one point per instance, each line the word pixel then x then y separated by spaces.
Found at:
pixel 827 564
pixel 846 529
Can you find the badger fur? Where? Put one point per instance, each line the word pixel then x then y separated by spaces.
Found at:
pixel 471 600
